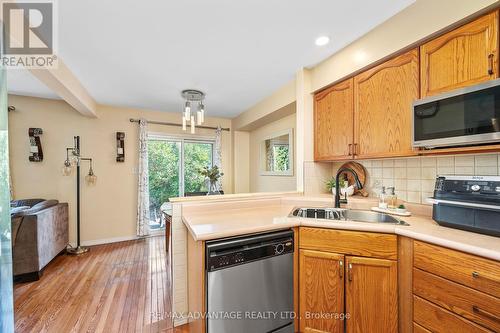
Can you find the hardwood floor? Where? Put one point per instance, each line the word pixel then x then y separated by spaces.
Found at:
pixel 119 287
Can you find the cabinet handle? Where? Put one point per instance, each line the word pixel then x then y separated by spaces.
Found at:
pixel 476 275
pixel 341 269
pixel 490 63
pixel 484 313
pixel 349 272
pixel 350 149
pixel 355 149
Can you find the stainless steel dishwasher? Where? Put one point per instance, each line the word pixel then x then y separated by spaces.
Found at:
pixel 250 284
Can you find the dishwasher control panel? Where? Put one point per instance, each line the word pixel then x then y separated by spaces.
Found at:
pixel 239 251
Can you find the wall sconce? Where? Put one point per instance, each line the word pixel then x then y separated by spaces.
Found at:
pixel 120 146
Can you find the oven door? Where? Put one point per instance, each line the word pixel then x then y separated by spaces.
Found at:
pixel 462 117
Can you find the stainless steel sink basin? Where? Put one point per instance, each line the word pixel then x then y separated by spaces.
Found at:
pixel 341 214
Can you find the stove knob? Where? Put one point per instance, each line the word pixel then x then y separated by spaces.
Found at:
pixel 278 249
pixel 475 188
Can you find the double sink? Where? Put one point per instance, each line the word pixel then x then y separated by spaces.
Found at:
pixel 341 214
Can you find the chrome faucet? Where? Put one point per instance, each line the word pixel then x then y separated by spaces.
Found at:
pixel 337 189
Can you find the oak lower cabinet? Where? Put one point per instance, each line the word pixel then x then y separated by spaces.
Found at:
pixel 334 284
pixel 383 98
pixel 462 57
pixel 321 290
pixel 333 123
pixel 371 295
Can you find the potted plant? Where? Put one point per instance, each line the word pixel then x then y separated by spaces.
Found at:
pixel 212 174
pixel 330 186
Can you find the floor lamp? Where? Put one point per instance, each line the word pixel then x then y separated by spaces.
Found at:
pixel 73 159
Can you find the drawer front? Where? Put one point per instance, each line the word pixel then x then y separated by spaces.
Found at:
pixel 474 305
pixel 437 320
pixel 365 244
pixel 419 329
pixel 472 271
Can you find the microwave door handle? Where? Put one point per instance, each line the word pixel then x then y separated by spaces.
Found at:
pixel 462 204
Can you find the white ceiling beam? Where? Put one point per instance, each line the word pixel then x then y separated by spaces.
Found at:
pixel 67 86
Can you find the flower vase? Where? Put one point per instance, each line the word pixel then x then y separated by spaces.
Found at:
pixel 213 188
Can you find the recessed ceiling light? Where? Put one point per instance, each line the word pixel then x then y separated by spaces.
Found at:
pixel 322 40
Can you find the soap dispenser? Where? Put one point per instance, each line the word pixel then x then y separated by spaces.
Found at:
pixel 382 204
pixel 392 198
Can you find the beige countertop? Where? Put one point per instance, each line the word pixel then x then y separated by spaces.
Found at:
pixel 219 220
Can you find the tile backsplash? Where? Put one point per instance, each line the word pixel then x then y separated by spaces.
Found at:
pixel 413 177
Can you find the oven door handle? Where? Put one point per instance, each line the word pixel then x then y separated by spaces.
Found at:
pixel 462 203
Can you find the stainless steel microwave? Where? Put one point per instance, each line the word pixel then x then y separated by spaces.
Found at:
pixel 466 116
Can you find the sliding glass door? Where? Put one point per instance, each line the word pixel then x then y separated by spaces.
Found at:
pixel 174 171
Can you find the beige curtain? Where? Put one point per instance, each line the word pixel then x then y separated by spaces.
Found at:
pixel 143 188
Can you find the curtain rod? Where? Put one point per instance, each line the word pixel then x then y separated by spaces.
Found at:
pixel 132 120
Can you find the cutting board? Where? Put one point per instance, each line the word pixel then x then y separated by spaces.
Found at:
pixel 361 171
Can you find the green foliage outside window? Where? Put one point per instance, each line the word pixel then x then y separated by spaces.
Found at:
pixel 281 160
pixel 164 158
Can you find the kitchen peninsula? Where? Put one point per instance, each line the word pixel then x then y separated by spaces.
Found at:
pixel 393 251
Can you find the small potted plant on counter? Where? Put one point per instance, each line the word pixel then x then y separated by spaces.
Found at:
pixel 212 174
pixel 330 186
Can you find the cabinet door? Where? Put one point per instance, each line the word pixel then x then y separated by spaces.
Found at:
pixel 333 122
pixel 383 99
pixel 371 295
pixel 321 291
pixel 462 57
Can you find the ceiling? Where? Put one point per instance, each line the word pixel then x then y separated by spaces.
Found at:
pixel 143 53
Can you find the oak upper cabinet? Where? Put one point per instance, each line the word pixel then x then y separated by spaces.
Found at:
pixel 462 57
pixel 333 122
pixel 383 98
pixel 371 295
pixel 321 291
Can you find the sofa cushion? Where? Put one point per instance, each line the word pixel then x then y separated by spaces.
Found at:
pixel 17 210
pixel 44 204
pixel 25 202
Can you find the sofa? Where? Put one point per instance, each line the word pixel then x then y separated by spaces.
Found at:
pixel 39 234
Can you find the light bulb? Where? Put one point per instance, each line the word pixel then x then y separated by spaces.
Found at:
pixel 91 178
pixel 192 124
pixel 202 112
pixel 187 110
pixel 183 123
pixel 67 168
pixel 198 118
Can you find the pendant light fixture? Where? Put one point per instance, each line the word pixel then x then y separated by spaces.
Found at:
pixel 193 117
